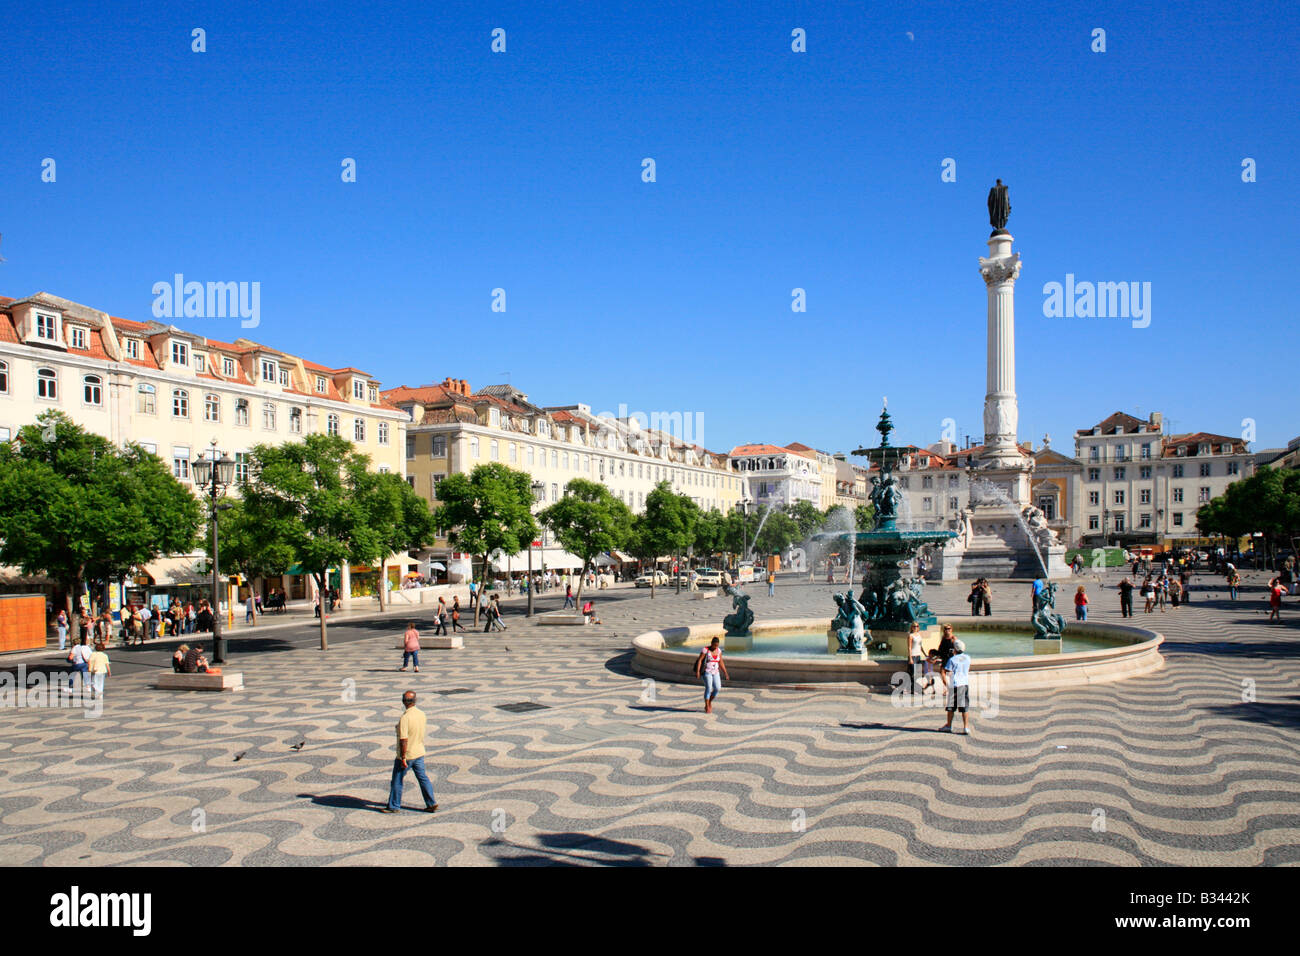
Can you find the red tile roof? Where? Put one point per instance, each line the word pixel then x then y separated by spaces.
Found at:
pixel 742 450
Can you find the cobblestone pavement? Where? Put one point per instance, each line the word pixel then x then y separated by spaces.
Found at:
pixel 1196 764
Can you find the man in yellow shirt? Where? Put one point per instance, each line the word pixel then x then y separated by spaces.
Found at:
pixel 410 756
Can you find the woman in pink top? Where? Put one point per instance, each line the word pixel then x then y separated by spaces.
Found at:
pixel 411 646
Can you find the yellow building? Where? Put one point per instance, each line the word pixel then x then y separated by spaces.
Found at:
pixel 173 392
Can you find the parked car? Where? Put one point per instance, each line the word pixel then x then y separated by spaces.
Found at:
pixel 652 578
pixel 709 577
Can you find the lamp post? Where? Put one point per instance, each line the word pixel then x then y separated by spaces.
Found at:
pixel 212 476
pixel 537 492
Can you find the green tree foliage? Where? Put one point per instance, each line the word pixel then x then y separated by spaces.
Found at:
pixel 401 517
pixel 588 521
pixel 670 520
pixel 710 533
pixel 488 510
pixel 1268 503
pixel 864 517
pixel 309 503
pixel 807 518
pixel 76 509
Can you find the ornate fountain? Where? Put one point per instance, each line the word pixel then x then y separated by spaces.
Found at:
pixel 890 599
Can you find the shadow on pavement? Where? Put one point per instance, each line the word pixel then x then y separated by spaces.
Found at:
pixel 572 849
pixel 1283 714
pixel 343 802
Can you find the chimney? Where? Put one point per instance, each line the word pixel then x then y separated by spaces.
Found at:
pixel 464 386
pixel 1157 421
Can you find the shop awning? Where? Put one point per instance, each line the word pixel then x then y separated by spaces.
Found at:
pixel 555 558
pixel 175 571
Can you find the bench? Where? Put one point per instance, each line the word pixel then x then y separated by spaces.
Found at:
pixel 442 642
pixel 218 682
pixel 572 620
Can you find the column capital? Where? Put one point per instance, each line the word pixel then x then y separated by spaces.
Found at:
pixel 1000 268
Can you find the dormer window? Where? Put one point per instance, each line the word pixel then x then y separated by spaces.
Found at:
pixel 373 394
pixel 1225 449
pixel 180 353
pixel 322 387
pixel 133 348
pixel 358 388
pixel 268 371
pixel 494 417
pixel 284 377
pixel 47 327
pixel 1203 448
pixel 1182 449
pixel 227 366
pixel 79 339
pixel 200 362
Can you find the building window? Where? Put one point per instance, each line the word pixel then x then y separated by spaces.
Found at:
pixel 1144 496
pixel 268 371
pixel 1144 471
pixel 358 388
pixel 1234 467
pixel 212 407
pixel 241 467
pixel 952 504
pixel 473 447
pixel 439 446
pixel 268 416
pixel 927 481
pixel 321 385
pixel 1094 474
pixel 1119 474
pixel 4 377
pixel 78 338
pixel 1178 519
pixel 1203 448
pixel 181 462
pixel 1093 453
pixel 1205 469
pixel 332 425
pixel 180 353
pixel 92 390
pixel 1203 494
pixel 382 436
pixel 47 327
pixel 513 451
pixel 358 429
pixel 1094 523
pixel 410 446
pixel 200 362
pixel 437 480
pixel 1119 522
pixel 555 462
pixel 372 394
pixel 1119 496
pixel 1178 471
pixel 1094 497
pixel 904 482
pixel 530 455
pixel 228 367
pixel 1144 520
pixel 133 348
pixel 493 450
pixel 1047 505
pixel 1178 496
pixel 145 400
pixel 241 412
pixel 180 403
pixel 47 384
pixel 555 492
pixel 927 504
pixel 1146 449
pixel 295 421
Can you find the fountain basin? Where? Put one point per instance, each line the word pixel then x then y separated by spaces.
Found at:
pixel 1120 652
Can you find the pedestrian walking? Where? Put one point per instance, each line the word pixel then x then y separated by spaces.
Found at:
pixel 455 615
pixel 1234 583
pixel 710 662
pixel 1080 604
pixel 473 594
pixel 975 599
pixel 61 624
pixel 410 756
pixel 771 584
pixel 957 671
pixel 1275 592
pixel 99 670
pixel 568 596
pixel 411 647
pixel 79 658
pixel 1126 598
pixel 148 622
pixel 249 609
pixel 1148 595
pixel 441 626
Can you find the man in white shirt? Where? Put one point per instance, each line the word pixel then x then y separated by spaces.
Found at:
pixel 79 657
pixel 148 623
pixel 958 671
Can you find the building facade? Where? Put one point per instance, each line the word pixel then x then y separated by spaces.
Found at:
pixel 775 476
pixel 1142 487
pixel 173 392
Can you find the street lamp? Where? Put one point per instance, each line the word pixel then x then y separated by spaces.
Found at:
pixel 538 488
pixel 213 475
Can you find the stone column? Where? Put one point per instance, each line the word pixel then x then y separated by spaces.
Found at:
pixel 1001 412
pixel 345 587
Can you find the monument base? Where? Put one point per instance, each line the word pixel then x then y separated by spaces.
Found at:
pixel 738 642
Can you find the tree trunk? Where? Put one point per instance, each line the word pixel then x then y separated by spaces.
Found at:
pixel 478 601
pixel 577 600
pixel 323 596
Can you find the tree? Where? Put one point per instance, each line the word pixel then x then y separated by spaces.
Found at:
pixel 588 520
pixel 77 509
pixel 710 532
pixel 864 517
pixel 779 531
pixel 669 525
pixel 488 510
pixel 806 518
pixel 401 517
pixel 308 501
pixel 641 543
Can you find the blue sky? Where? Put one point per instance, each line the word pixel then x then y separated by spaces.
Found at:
pixel 775 170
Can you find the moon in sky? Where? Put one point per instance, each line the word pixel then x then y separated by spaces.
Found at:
pixel 909 36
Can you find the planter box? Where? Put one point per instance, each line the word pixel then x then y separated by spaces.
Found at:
pixel 217 682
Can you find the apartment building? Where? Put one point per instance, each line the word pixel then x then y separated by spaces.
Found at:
pixel 173 391
pixel 1140 486
pixel 776 476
